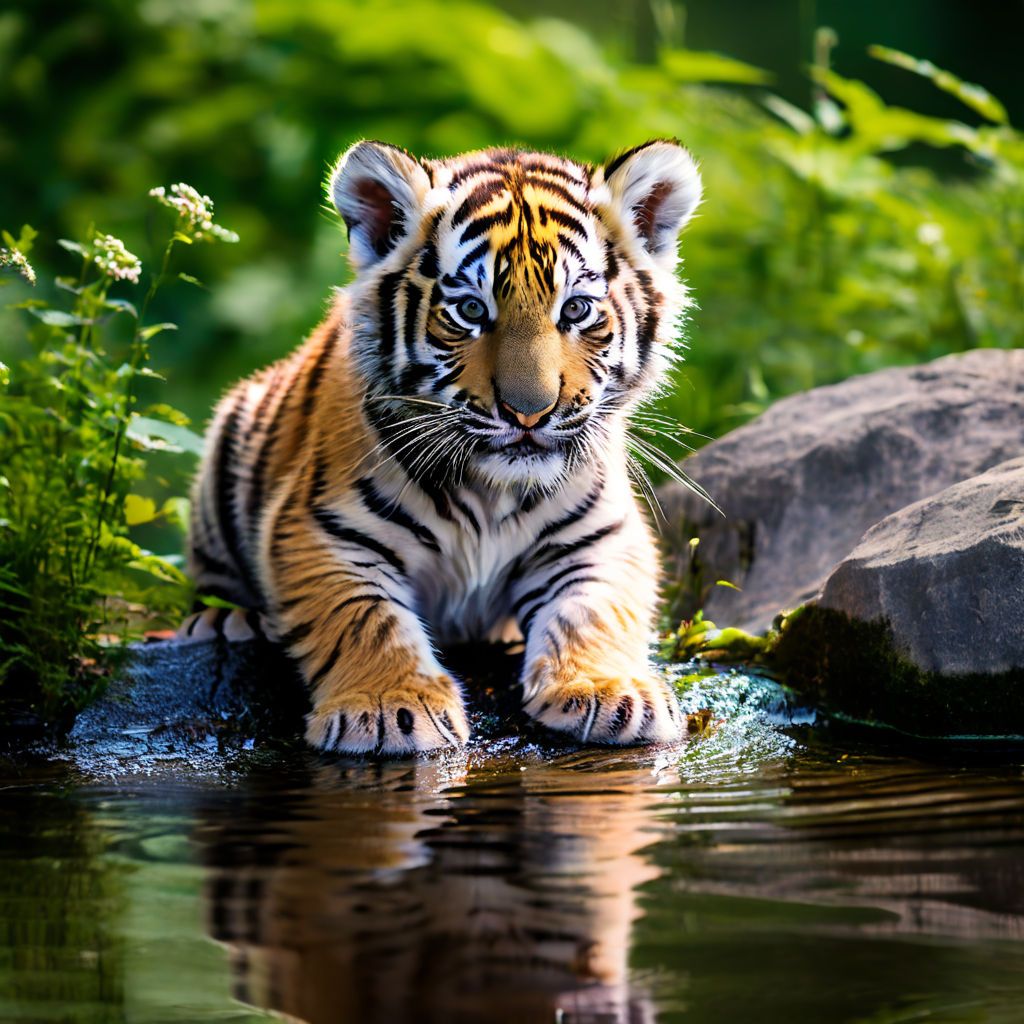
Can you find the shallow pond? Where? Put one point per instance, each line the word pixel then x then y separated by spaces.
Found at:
pixel 758 872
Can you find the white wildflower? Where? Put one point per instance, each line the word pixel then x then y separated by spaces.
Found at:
pixel 115 260
pixel 14 259
pixel 195 212
pixel 930 234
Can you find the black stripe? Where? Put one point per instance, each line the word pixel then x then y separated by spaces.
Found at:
pixel 356 626
pixel 468 513
pixel 435 342
pixel 386 303
pixel 316 373
pixel 613 165
pixel 331 525
pixel 611 262
pixel 553 640
pixel 551 551
pixel 562 192
pixel 649 326
pixel 575 514
pixel 214 565
pixel 384 631
pixel 413 297
pixel 438 496
pixel 225 481
pixel 567 220
pixel 429 266
pixel 531 595
pixel 328 662
pixel 259 469
pixel 558 172
pixel 475 254
pixel 570 246
pixel 259 466
pixel 318 478
pixel 297 633
pixel 484 224
pixel 448 378
pixel 394 513
pixel 414 374
pixel 332 658
pixel 532 613
pixel 469 203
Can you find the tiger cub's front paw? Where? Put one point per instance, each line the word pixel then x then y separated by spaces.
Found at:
pixel 419 713
pixel 609 710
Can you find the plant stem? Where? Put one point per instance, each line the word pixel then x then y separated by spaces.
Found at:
pixel 138 352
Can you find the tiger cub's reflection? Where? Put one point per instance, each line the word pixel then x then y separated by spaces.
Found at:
pixel 419 892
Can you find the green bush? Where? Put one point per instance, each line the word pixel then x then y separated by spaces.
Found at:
pixel 72 446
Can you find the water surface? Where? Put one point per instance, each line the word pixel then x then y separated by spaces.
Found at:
pixel 758 872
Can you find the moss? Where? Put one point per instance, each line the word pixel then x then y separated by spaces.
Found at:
pixel 855 669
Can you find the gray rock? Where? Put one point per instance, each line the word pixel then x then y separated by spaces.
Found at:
pixel 801 484
pixel 946 574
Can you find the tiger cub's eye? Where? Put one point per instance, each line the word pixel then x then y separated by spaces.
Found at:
pixel 473 311
pixel 576 309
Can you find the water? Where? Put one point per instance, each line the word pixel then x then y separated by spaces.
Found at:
pixel 762 871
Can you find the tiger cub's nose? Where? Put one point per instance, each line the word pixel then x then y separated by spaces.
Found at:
pixel 527 420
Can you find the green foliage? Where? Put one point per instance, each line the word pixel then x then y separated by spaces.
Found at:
pixel 72 447
pixel 699 638
pixel 838 259
pixel 827 245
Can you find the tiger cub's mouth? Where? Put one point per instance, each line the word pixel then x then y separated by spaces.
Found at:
pixel 526 443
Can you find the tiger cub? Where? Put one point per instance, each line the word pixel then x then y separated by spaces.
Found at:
pixel 444 458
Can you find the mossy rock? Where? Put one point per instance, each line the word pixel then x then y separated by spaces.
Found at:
pixel 855 670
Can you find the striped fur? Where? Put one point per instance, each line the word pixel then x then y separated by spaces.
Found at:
pixel 444 458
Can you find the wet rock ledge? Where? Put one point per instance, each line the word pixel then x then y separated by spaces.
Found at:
pixel 890 508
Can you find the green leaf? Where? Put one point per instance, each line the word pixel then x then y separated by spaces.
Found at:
pixel 156 435
pixel 974 96
pixel 138 510
pixel 702 66
pixel 154 329
pixel 189 279
pixel 24 241
pixel 58 318
pixel 66 243
pixel 122 306
pixel 177 511
pixel 156 566
pixel 799 120
pixel 167 414
pixel 879 128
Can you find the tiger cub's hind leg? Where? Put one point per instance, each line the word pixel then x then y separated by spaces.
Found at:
pixel 235 625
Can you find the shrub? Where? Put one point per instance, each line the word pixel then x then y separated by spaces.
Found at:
pixel 72 450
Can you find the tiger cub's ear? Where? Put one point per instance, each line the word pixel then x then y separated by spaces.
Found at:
pixel 654 190
pixel 379 190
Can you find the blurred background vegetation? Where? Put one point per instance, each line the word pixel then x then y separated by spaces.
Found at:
pixel 839 234
pixel 863 208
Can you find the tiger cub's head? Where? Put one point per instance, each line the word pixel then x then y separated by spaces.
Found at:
pixel 510 307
